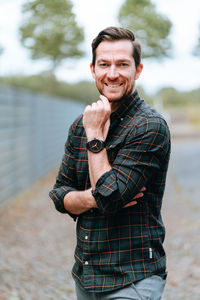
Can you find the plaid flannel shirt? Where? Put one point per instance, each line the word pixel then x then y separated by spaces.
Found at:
pixel 117 246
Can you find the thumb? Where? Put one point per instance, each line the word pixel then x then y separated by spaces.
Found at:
pixel 106 102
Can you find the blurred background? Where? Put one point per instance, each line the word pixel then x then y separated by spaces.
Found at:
pixel 45 83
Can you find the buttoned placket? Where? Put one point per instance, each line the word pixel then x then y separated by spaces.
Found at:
pixel 86 258
pixel 85 247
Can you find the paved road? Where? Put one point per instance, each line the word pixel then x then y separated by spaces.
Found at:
pixel 181 212
pixel 36 250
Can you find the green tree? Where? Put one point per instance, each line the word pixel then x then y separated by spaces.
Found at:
pixel 49 31
pixel 150 27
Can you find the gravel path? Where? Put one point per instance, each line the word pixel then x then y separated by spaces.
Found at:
pixel 36 247
pixel 37 243
pixel 181 212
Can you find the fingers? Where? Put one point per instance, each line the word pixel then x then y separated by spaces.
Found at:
pixel 103 98
pixel 102 106
pixel 139 195
pixel 96 118
pixel 94 107
pixel 130 204
pixel 87 108
pixel 106 103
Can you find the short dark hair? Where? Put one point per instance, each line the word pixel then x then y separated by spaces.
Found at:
pixel 113 34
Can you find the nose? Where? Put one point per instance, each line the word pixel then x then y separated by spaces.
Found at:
pixel 112 73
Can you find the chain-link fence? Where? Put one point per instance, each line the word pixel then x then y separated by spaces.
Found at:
pixel 33 130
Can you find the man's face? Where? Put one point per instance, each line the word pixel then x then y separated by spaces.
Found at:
pixel 114 71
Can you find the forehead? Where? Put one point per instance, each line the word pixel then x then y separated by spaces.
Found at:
pixel 122 49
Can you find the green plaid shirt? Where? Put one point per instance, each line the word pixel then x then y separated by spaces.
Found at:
pixel 117 246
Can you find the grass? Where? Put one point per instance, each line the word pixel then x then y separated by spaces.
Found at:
pixel 191 110
pixel 194 115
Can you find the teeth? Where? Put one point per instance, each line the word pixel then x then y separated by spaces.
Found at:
pixel 113 86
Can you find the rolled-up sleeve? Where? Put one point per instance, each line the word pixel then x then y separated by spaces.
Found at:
pixel 65 180
pixel 142 154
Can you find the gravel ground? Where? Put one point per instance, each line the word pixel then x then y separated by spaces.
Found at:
pixel 181 212
pixel 36 247
pixel 37 243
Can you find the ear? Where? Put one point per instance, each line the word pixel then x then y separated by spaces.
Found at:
pixel 138 71
pixel 92 71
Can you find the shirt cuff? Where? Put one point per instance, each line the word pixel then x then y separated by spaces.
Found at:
pixel 106 193
pixel 102 188
pixel 57 195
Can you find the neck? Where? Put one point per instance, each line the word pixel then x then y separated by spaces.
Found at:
pixel 115 105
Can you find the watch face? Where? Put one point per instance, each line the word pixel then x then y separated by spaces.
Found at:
pixel 95 145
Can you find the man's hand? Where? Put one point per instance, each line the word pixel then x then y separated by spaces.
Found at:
pixel 139 195
pixel 78 202
pixel 96 119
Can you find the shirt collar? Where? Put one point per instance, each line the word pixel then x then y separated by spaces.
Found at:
pixel 129 105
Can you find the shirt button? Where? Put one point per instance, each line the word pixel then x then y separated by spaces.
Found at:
pixel 86 237
pixel 121 119
pixel 86 262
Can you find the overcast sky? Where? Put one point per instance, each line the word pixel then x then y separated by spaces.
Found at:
pixel 182 71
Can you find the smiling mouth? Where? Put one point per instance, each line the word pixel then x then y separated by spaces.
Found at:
pixel 113 85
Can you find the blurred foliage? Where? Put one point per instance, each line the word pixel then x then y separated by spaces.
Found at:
pixel 196 51
pixel 84 91
pixel 49 31
pixel 194 111
pixel 186 103
pixel 151 28
pixel 81 91
pixel 173 98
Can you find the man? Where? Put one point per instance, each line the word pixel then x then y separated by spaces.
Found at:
pixel 112 180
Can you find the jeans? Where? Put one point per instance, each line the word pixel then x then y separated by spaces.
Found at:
pixel 150 288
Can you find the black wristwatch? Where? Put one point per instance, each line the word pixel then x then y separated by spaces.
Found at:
pixel 95 145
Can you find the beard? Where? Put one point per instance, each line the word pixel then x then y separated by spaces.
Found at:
pixel 127 93
pixel 117 102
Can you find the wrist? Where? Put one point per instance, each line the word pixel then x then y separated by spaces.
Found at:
pixel 93 135
pixel 89 199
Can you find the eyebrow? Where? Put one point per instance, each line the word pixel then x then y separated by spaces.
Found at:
pixel 118 60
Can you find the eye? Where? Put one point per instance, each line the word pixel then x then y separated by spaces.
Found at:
pixel 123 64
pixel 103 65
